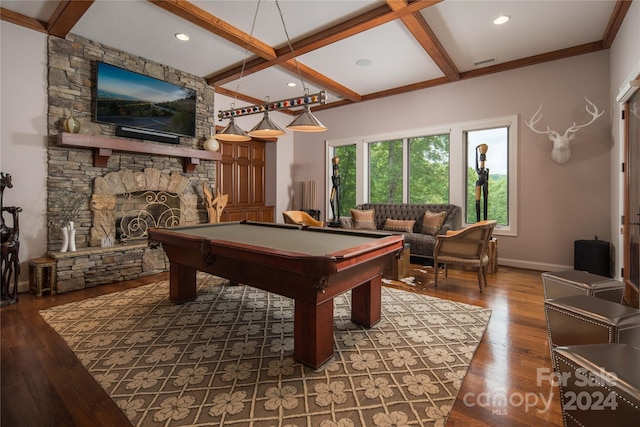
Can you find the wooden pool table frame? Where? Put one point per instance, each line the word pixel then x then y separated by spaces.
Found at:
pixel 312 281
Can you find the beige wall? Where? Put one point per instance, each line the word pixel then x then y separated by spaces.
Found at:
pixel 23 127
pixel 557 204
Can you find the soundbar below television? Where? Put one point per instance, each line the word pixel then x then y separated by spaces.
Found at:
pixel 161 111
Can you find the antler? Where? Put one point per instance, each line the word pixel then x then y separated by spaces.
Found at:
pixel 534 120
pixel 595 113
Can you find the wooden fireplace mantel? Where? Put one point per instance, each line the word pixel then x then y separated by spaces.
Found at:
pixel 103 147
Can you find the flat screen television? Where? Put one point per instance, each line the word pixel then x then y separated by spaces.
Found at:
pixel 132 100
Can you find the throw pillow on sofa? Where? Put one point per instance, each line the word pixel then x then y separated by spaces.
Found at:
pixel 404 226
pixel 432 222
pixel 363 220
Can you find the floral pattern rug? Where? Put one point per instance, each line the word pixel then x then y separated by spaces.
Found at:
pixel 226 358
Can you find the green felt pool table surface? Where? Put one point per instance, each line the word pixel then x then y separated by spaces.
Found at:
pixel 291 238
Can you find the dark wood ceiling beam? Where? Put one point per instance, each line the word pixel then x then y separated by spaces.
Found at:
pixel 217 26
pixel 418 26
pixel 619 12
pixel 66 16
pixel 22 20
pixel 320 80
pixel 535 59
pixel 374 18
pixel 221 28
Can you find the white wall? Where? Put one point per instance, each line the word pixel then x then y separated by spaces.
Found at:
pixel 624 57
pixel 23 125
pixel 557 204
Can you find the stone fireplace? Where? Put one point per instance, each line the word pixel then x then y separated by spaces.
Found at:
pixel 112 176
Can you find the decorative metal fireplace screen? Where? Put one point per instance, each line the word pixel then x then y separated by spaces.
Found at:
pixel 137 211
pixel 127 203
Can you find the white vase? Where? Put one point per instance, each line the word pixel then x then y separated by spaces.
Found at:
pixel 211 144
pixel 72 239
pixel 65 239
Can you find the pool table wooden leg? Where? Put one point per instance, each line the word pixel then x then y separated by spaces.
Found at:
pixel 366 303
pixel 182 283
pixel 313 332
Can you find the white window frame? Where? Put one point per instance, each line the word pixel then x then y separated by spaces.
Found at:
pixel 457 162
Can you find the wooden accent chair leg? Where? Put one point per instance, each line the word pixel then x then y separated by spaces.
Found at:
pixel 480 278
pixel 484 273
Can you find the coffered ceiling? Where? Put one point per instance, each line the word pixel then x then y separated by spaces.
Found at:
pixel 355 49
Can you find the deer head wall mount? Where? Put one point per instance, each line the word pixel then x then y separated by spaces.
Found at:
pixel 561 152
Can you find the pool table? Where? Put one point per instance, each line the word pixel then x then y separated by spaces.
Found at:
pixel 311 265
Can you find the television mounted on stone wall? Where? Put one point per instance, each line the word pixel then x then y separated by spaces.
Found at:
pixel 144 107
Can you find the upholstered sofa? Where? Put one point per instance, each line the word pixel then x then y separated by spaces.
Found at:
pixel 421 239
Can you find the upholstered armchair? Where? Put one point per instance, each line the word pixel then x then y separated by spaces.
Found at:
pixel 301 218
pixel 466 247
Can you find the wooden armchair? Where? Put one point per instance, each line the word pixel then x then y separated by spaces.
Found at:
pixel 301 218
pixel 466 247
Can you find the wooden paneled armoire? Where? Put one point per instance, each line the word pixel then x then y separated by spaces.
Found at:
pixel 241 175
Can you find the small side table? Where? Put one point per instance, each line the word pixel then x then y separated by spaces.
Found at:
pixel 398 267
pixel 492 251
pixel 42 276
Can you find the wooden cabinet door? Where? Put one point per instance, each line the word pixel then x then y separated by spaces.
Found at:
pixel 241 175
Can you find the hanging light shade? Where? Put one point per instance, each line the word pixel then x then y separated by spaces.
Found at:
pixel 307 122
pixel 266 128
pixel 232 132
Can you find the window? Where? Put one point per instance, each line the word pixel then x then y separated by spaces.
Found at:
pixel 429 169
pixel 385 171
pixel 433 166
pixel 494 171
pixel 347 170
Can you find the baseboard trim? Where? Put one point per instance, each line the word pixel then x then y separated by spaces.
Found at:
pixel 531 265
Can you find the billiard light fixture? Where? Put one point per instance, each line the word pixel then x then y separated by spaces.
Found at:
pixel 305 122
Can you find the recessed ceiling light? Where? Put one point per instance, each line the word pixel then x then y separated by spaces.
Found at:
pixel 501 19
pixel 364 62
pixel 182 36
pixel 291 84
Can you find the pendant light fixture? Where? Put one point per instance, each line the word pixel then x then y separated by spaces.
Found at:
pixel 266 128
pixel 306 122
pixel 232 132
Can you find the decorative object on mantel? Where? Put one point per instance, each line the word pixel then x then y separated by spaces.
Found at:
pixel 10 247
pixel 68 204
pixel 211 144
pixel 305 122
pixel 561 152
pixel 71 124
pixel 215 206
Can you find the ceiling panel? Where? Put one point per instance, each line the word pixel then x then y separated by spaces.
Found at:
pixel 397 59
pixel 272 82
pixel 143 29
pixel 466 28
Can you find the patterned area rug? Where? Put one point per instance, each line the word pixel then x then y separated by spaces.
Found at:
pixel 226 358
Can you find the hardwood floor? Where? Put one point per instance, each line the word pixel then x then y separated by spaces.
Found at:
pixel 43 384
